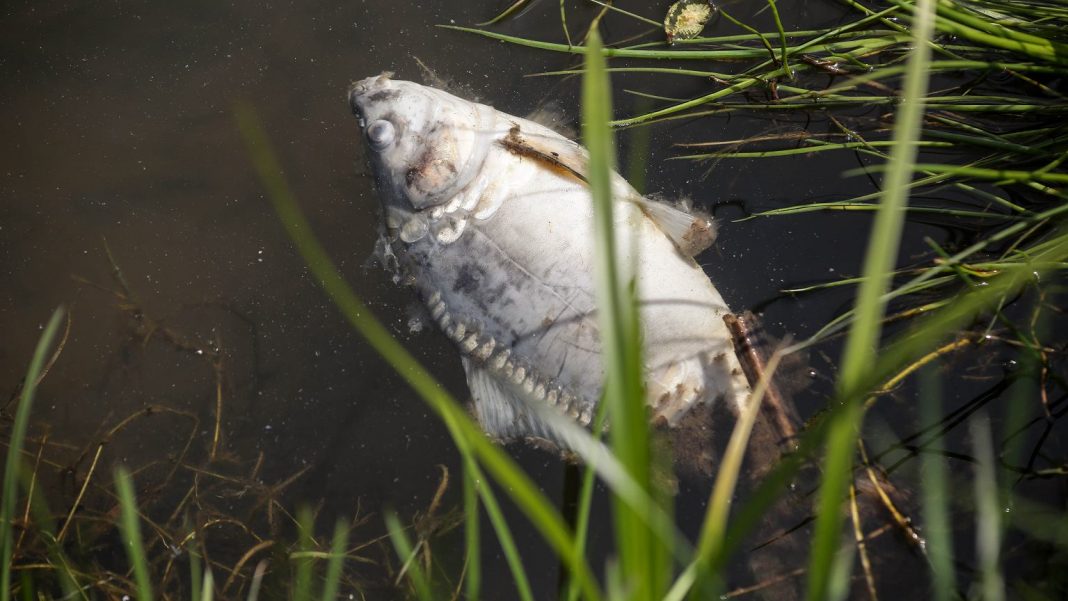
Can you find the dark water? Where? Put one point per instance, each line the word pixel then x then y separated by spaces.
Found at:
pixel 119 134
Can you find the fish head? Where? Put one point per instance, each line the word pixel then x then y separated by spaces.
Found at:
pixel 425 145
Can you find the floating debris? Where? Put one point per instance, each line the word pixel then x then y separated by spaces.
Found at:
pixel 686 19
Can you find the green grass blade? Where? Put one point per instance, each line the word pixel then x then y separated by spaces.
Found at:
pixel 130 525
pixel 563 22
pixel 982 30
pixel 763 39
pixel 636 17
pixel 585 501
pixel 403 547
pixel 13 463
pixel 653 512
pixel 196 572
pixel 849 205
pixel 1000 175
pixel 987 516
pixel 332 580
pixel 503 532
pixel 863 337
pixel 207 592
pixel 728 54
pixel 302 571
pixel 805 150
pixel 508 12
pixel 472 542
pixel 935 490
pixel 783 61
pixel 642 558
pixel 469 439
pixel 841 572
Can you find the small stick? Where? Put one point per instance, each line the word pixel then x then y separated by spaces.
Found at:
pixel 862 546
pixel 55 354
pixel 218 411
pixel 916 365
pixel 81 493
pixel 241 562
pixel 47 366
pixel 116 273
pixel 903 522
pixel 29 495
pixel 738 592
pixel 783 415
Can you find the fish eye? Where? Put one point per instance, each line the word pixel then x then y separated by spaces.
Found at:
pixel 380 134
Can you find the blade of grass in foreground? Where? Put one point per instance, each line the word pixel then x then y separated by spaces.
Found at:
pixel 403 547
pixel 473 547
pixel 585 503
pixel 303 570
pixel 14 451
pixel 859 354
pixel 503 532
pixel 207 592
pixel 468 437
pixel 643 559
pixel 935 493
pixel 333 567
pixel 130 525
pixel 195 571
pixel 987 516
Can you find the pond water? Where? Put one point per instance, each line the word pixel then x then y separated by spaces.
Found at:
pixel 120 138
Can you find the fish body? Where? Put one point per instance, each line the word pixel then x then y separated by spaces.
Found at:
pixel 490 218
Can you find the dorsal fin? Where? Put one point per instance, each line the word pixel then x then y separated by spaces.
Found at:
pixel 433 80
pixel 549 114
pixel 691 231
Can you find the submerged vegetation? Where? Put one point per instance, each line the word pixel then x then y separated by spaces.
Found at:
pixel 198 522
pixel 970 131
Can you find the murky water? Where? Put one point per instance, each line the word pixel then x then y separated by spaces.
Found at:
pixel 120 135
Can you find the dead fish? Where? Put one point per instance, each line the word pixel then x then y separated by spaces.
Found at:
pixel 489 217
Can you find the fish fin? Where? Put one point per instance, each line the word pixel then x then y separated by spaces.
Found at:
pixel 500 408
pixel 553 150
pixel 551 115
pixel 433 80
pixel 692 231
